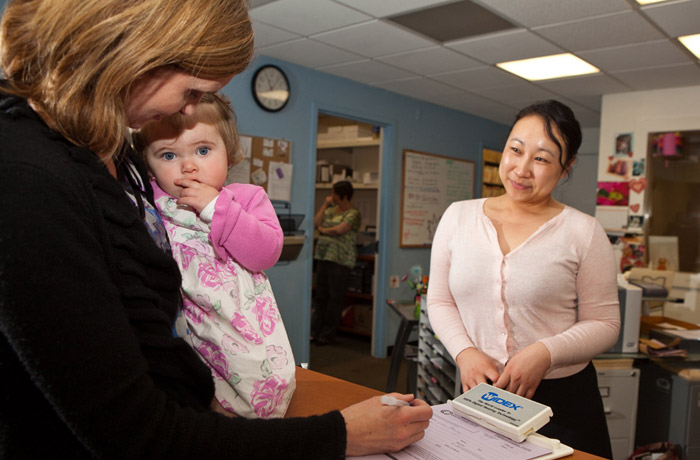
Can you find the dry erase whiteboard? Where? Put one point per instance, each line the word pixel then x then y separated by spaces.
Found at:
pixel 429 184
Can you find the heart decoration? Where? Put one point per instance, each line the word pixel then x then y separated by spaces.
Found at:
pixel 634 208
pixel 638 185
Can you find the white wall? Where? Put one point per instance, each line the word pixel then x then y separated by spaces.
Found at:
pixel 579 190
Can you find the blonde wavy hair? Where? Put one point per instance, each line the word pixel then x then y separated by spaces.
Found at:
pixel 75 60
pixel 213 109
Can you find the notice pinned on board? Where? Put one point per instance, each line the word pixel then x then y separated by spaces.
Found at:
pixel 429 184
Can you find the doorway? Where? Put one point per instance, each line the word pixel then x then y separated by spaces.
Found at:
pixel 674 178
pixel 351 149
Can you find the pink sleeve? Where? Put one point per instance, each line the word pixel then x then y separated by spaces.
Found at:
pixel 245 227
pixel 598 324
pixel 442 308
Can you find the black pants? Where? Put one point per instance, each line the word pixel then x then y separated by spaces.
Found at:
pixel 332 281
pixel 579 418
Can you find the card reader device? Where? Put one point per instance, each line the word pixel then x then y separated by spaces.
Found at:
pixel 503 412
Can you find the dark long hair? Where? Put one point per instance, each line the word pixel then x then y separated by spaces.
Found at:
pixel 562 117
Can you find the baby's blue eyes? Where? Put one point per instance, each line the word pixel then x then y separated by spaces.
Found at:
pixel 169 156
pixel 202 151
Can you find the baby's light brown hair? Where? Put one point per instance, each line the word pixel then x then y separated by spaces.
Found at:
pixel 213 109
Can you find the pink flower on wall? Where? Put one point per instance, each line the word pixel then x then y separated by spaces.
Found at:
pixel 208 276
pixel 267 395
pixel 266 313
pixel 243 327
pixel 216 359
pixel 276 356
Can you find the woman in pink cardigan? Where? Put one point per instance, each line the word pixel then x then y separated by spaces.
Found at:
pixel 523 289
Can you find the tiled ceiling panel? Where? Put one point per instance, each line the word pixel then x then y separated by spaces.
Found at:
pixel 375 38
pixel 505 46
pixel 437 58
pixel 310 53
pixel 601 32
pixel 453 21
pixel 636 56
pixel 661 77
pixel 367 71
pixel 267 35
pixel 675 18
pixel 479 78
pixel 533 13
pixel 307 17
pixel 383 8
pixel 420 88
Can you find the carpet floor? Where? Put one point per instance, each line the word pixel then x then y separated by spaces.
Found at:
pixel 349 358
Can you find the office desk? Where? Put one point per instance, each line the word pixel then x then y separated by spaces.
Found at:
pixel 319 393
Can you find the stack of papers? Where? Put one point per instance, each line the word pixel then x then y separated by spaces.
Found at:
pixel 654 347
pixel 452 436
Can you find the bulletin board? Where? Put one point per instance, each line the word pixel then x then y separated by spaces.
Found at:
pixel 429 184
pixel 267 163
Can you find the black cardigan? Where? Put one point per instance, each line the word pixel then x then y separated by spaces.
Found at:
pixel 88 363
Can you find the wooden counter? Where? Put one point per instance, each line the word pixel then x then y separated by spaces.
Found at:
pixel 319 393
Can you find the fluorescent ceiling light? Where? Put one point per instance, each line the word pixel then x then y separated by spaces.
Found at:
pixel 692 42
pixel 547 67
pixel 646 2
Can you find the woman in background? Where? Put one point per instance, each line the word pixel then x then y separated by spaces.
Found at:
pixel 523 289
pixel 338 222
pixel 89 291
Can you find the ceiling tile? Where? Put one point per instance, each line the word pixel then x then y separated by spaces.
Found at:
pixel 636 56
pixel 419 88
pixel 384 8
pixel 267 35
pixel 307 17
pixel 584 85
pixel 478 106
pixel 532 13
pixel 518 95
pixel 256 3
pixel 505 46
pixel 601 32
pixel 366 71
pixel 374 38
pixel 438 59
pixel 453 21
pixel 477 79
pixel 585 116
pixel 309 53
pixel 676 18
pixel 661 77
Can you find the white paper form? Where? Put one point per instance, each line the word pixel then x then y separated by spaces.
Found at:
pixel 240 172
pixel 279 186
pixel 451 436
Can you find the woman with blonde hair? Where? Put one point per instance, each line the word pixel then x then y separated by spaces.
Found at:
pixel 88 289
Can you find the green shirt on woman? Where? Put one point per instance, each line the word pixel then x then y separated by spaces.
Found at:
pixel 339 249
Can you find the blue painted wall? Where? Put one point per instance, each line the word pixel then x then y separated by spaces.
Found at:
pixel 408 124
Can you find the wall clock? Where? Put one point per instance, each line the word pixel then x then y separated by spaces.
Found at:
pixel 271 88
